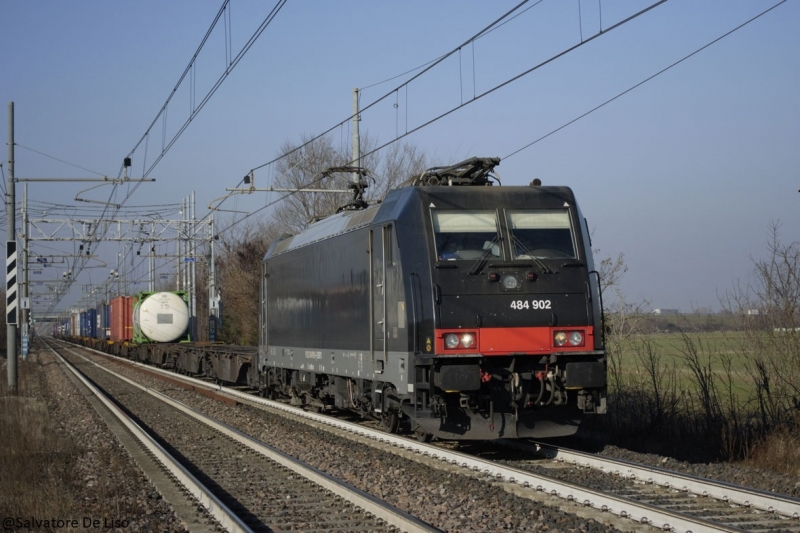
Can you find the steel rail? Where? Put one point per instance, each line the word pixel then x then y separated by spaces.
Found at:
pixel 368 503
pixel 226 518
pixel 640 512
pixel 728 492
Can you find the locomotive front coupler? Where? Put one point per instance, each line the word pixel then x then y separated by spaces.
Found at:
pixel 438 406
pixel 469 401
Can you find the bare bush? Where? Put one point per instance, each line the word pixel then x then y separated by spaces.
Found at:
pixel 238 270
pixel 734 394
pixel 644 397
pixel 768 309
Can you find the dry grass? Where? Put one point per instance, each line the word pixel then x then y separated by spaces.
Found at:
pixel 778 451
pixel 35 464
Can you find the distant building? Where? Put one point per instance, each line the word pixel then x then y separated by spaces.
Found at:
pixel 666 312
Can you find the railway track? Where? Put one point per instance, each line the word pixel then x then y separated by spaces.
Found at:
pixel 195 505
pixel 719 501
pixel 244 484
pixel 663 499
pixel 586 484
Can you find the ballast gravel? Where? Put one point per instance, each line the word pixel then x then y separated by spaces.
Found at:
pixel 105 484
pixel 448 500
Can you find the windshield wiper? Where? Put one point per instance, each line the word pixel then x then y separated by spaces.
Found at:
pixel 487 250
pixel 539 263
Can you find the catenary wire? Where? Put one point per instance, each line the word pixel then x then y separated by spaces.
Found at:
pixel 234 62
pixel 602 32
pixel 59 160
pixel 621 94
pixel 163 110
pixel 484 34
pixel 431 121
pixel 631 88
pixel 391 92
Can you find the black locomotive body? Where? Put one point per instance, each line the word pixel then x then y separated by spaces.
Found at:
pixel 462 312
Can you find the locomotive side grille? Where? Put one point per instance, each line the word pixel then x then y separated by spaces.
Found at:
pixel 361 218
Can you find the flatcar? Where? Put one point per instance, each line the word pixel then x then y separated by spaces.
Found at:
pixel 454 308
pixel 153 328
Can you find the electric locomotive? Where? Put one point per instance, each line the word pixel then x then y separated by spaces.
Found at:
pixel 454 308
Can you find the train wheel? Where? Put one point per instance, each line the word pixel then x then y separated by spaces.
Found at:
pixel 422 436
pixel 390 422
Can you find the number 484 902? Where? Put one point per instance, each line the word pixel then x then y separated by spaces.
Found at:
pixel 531 304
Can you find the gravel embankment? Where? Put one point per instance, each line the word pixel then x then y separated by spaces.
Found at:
pixel 735 473
pixel 105 482
pixel 448 500
pixel 265 495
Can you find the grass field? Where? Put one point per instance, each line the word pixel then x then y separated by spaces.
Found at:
pixel 726 346
pixel 730 383
pixel 721 353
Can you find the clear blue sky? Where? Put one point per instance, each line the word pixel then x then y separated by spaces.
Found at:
pixel 684 175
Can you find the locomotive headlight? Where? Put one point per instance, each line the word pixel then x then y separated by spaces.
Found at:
pixel 467 340
pixel 560 338
pixel 575 338
pixel 568 338
pixel 509 282
pixel 451 341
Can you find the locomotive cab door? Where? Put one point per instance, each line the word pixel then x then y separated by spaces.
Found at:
pixel 262 314
pixel 377 245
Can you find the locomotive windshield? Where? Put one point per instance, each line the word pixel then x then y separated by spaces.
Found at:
pixel 541 234
pixel 466 235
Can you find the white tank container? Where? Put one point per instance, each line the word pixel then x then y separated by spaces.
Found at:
pixel 161 317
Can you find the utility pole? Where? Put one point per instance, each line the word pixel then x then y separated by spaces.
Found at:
pixel 25 315
pixel 193 272
pixel 11 236
pixel 356 138
pixel 151 262
pixel 213 299
pixel 179 250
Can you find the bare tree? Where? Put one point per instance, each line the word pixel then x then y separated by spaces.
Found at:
pixel 244 245
pixel 391 167
pixel 304 167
